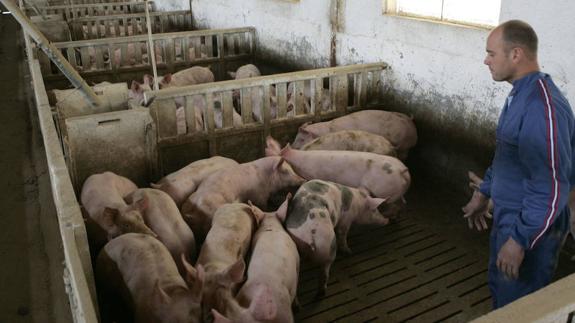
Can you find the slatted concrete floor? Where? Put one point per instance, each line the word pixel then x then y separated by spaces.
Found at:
pixel 425 267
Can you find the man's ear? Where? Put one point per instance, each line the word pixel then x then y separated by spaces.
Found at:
pixel 517 54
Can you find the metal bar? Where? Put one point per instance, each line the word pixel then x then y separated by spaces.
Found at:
pixel 317 97
pixel 190 112
pixel 227 110
pixel 54 54
pixel 81 283
pixel 265 80
pixel 196 33
pixel 151 48
pixel 281 97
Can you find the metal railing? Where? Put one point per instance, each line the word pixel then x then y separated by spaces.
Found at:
pixel 298 96
pixel 70 12
pixel 129 24
pixel 78 267
pixel 173 50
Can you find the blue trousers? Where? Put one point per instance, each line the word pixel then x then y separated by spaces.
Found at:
pixel 538 266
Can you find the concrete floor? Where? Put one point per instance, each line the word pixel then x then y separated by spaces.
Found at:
pixel 31 272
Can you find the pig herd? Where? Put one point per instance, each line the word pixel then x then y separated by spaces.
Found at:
pixel 197 247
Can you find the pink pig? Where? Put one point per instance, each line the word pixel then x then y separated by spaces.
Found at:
pixel 353 140
pixel 270 289
pixel 222 254
pixel 164 218
pixel 245 71
pixel 254 181
pixel 136 91
pixel 102 198
pixel 396 127
pixel 142 271
pixel 382 176
pixel 182 183
pixel 189 76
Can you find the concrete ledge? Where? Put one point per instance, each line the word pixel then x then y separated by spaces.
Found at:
pixel 553 303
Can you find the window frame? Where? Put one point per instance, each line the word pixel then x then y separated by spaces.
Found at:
pixel 390 8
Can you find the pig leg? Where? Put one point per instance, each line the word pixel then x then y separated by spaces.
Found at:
pixel 341 235
pixel 295 305
pixel 324 274
pixel 323 278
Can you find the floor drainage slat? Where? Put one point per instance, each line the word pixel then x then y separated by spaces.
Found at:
pixel 411 274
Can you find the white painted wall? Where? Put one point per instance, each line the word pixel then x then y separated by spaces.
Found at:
pixel 437 71
pixel 433 63
pixel 171 5
pixel 299 31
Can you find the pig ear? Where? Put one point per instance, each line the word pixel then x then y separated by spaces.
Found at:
pixel 282 210
pixel 156 186
pixel 142 204
pixel 232 74
pixel 263 306
pixel 110 216
pixel 129 198
pixel 303 127
pixel 279 163
pixel 167 78
pixel 160 295
pixel 219 318
pixel 148 79
pixel 236 271
pixel 194 277
pixel 273 147
pixel 135 86
pixel 256 213
pixel 374 202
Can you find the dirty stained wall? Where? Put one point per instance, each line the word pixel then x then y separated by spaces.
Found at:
pixel 298 32
pixel 437 72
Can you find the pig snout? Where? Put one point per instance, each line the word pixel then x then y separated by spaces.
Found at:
pixel 392 210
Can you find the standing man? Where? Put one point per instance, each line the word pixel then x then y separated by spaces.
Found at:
pixel 531 174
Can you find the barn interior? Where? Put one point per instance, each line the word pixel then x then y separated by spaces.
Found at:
pixel 425 266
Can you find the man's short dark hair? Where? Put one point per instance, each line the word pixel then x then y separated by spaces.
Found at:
pixel 517 33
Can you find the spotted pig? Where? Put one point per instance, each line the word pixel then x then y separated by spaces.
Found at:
pixel 320 216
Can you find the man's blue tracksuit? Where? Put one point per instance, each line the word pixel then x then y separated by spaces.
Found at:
pixel 529 182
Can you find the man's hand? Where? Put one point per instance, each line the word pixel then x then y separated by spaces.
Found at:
pixel 474 183
pixel 474 180
pixel 476 211
pixel 509 258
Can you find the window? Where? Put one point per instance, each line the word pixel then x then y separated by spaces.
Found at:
pixel 468 12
